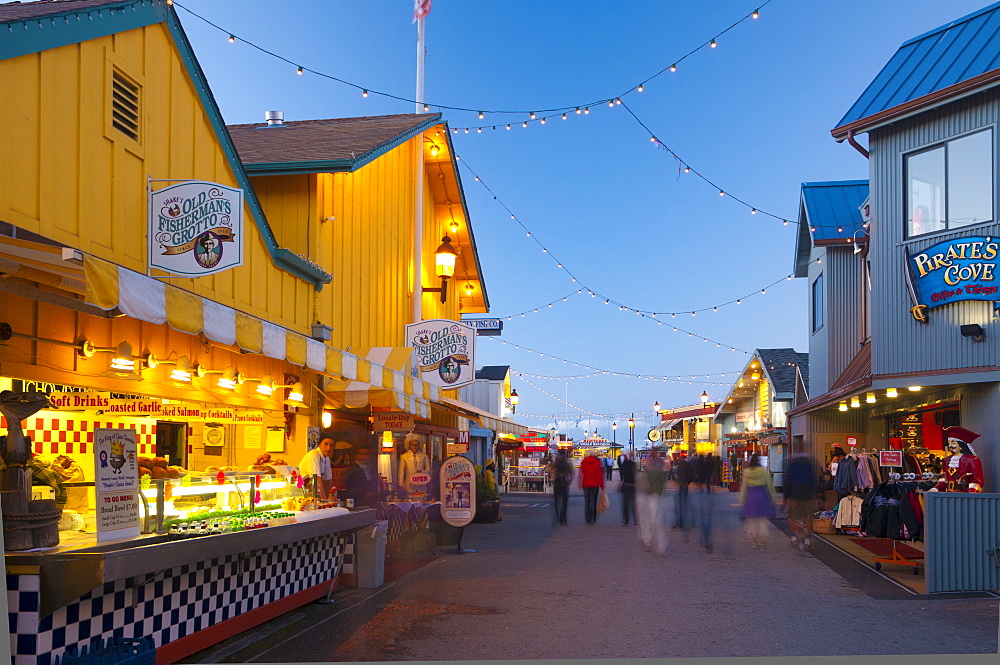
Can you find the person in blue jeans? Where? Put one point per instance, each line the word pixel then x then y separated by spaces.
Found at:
pixel 626 471
pixel 560 474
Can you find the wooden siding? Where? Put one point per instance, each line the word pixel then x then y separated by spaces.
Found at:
pixel 900 343
pixel 368 246
pixel 68 177
pixel 819 340
pixel 842 281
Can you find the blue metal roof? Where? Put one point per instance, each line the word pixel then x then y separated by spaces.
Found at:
pixel 958 51
pixel 833 208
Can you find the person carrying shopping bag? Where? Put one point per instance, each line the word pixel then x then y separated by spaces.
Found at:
pixel 592 482
pixel 757 499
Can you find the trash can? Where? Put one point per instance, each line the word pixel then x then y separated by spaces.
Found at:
pixel 369 555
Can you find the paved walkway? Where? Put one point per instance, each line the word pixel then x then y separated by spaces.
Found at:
pixel 538 591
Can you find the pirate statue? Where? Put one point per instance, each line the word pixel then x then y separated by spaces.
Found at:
pixel 961 470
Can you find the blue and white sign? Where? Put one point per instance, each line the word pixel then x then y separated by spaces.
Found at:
pixel 956 270
pixel 487 327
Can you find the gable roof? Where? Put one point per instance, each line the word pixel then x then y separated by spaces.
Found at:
pixel 780 366
pixel 829 214
pixel 954 60
pixel 324 146
pixel 47 24
pixel 493 372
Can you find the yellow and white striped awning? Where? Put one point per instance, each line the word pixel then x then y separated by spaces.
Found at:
pixel 147 299
pixel 485 419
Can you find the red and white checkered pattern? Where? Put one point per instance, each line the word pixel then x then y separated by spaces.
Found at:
pixel 66 435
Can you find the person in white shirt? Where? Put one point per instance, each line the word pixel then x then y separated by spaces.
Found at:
pixel 410 462
pixel 316 462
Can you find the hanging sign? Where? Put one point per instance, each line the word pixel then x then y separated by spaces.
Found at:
pixel 80 401
pixel 195 228
pixel 248 418
pixel 458 491
pixel 446 351
pixel 393 421
pixel 890 458
pixel 223 415
pixel 181 412
pixel 486 327
pixel 955 270
pixel 135 407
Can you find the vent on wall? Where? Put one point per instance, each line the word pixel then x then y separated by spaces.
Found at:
pixel 125 105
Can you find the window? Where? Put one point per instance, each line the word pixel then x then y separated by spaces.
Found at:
pixel 817 303
pixel 950 185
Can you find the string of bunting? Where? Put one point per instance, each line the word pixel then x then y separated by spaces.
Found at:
pixel 536 115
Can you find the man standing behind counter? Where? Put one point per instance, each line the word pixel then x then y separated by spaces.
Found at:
pixel 316 462
pixel 412 461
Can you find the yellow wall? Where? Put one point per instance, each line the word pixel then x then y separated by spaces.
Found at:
pixel 368 247
pixel 70 177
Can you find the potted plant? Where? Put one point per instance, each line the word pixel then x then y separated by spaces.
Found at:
pixel 487 500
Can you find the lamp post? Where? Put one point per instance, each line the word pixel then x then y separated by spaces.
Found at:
pixel 656 407
pixel 704 397
pixel 631 434
pixel 513 401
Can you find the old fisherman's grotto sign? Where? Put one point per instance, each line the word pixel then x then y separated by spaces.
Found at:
pixel 953 271
pixel 446 351
pixel 195 228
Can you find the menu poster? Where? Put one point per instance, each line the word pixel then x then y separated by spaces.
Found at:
pixel 275 441
pixel 458 491
pixel 116 484
pixel 252 437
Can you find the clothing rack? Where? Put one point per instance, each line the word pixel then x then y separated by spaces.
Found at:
pixel 896 557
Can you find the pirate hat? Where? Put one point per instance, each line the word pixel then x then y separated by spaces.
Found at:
pixel 960 433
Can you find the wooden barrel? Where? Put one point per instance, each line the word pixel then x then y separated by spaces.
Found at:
pixel 16 521
pixel 44 522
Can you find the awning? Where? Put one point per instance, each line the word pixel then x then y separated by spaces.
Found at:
pixel 486 419
pixel 666 424
pixel 356 381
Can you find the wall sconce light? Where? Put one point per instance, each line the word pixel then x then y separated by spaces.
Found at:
pixel 265 387
pixel 182 370
pixel 444 265
pixel 843 406
pixel 468 289
pixel 231 378
pixel 891 392
pixel 434 149
pixel 387 441
pixel 755 376
pixel 295 392
pixel 914 388
pixel 327 419
pixel 122 360
pixel 855 402
pixel 870 398
pixel 973 330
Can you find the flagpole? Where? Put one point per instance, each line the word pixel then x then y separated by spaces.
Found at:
pixel 418 199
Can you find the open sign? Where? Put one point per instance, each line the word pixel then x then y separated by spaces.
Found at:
pixel 421 478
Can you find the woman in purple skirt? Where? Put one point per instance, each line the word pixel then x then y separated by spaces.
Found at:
pixel 757 500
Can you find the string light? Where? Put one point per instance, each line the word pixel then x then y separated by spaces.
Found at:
pixel 597 372
pixel 364 93
pixel 561 265
pixel 299 71
pixel 712 44
pixel 232 38
pixel 756 14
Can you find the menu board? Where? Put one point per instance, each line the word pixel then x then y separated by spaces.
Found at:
pixel 116 473
pixel 458 491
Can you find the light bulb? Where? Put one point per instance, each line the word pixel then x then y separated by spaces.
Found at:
pixel 426 108
pixel 524 124
pixel 578 111
pixel 753 211
pixel 611 103
pixel 299 71
pixel 232 38
pixel 481 115
pixel 639 89
pixel 586 111
pixel 673 68
pixel 755 14
pixel 508 126
pixel 563 116
pixel 712 44
pixel 364 93
pixel 532 115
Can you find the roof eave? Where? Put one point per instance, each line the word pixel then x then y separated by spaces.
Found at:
pixel 919 105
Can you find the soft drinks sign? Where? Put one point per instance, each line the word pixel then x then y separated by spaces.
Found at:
pixel 446 351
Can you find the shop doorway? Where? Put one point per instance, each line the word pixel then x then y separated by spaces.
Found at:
pixel 171 442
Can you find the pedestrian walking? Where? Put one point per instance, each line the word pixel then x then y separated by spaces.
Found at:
pixel 704 507
pixel 626 473
pixel 800 497
pixel 699 470
pixel 684 474
pixel 650 502
pixel 757 500
pixel 592 482
pixel 560 474
pixel 711 472
pixel 609 467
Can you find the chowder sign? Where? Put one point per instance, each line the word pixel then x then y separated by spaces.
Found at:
pixel 955 270
pixel 445 351
pixel 195 228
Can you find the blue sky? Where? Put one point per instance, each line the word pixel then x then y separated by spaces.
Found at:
pixel 752 115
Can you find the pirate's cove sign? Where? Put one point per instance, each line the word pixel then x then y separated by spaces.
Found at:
pixel 445 351
pixel 195 228
pixel 953 271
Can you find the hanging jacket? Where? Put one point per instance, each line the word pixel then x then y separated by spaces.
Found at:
pixel 847 475
pixel 887 513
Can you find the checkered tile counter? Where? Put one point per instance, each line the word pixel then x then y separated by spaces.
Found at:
pixel 173 604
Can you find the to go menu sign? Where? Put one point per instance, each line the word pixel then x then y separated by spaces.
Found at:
pixel 116 474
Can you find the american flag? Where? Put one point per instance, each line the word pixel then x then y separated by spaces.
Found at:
pixel 421 8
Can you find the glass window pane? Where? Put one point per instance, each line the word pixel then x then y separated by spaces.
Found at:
pixel 970 179
pixel 925 192
pixel 817 303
